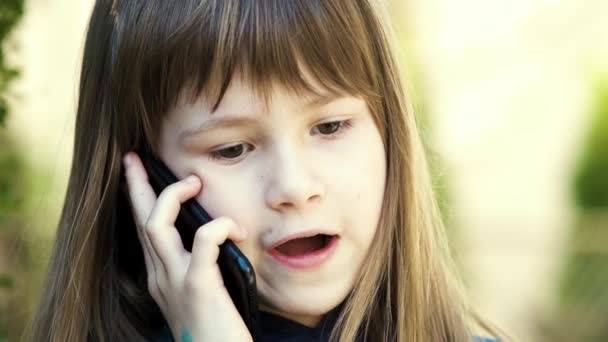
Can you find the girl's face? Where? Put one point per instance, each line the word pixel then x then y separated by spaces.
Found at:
pixel 297 168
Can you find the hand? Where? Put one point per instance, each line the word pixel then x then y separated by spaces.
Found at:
pixel 188 287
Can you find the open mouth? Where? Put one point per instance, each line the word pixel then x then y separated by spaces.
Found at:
pixel 305 245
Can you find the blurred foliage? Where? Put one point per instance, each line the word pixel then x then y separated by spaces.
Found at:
pixel 591 181
pixel 10 13
pixel 582 308
pixel 14 285
pixel 10 198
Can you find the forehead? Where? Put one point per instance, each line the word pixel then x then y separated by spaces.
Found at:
pixel 244 95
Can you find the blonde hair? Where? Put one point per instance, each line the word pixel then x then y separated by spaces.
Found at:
pixel 139 57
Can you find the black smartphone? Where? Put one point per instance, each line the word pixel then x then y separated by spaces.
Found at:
pixel 237 272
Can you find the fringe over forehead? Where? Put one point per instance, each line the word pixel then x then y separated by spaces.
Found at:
pixel 162 50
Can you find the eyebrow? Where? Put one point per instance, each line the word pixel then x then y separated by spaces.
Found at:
pixel 225 121
pixel 218 122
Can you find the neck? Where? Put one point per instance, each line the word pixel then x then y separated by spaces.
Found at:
pixel 310 321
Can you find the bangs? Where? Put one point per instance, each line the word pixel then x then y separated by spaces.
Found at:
pixel 195 48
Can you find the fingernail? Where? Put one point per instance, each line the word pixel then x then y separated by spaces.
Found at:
pixel 127 160
pixel 191 179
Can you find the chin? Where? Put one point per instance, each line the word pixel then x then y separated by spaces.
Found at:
pixel 308 298
pixel 307 304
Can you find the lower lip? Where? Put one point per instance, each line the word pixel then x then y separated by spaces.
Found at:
pixel 309 260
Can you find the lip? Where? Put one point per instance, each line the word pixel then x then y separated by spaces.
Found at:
pixel 305 261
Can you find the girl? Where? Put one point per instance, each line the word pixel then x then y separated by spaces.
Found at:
pixel 287 121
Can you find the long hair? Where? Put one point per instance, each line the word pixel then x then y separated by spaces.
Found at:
pixel 139 58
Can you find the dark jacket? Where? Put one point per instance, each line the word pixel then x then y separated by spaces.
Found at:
pixel 276 328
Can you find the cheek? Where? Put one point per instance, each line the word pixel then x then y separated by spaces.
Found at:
pixel 228 196
pixel 225 197
pixel 362 174
pixel 369 187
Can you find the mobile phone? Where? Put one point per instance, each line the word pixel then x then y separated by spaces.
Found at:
pixel 236 270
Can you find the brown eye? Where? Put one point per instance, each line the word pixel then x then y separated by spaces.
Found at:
pixel 333 129
pixel 231 152
pixel 329 127
pixel 228 153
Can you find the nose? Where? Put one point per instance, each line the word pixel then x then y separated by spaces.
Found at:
pixel 291 181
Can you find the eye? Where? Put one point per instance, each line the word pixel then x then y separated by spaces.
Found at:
pixel 333 128
pixel 229 153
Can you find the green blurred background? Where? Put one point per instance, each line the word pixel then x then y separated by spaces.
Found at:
pixel 513 106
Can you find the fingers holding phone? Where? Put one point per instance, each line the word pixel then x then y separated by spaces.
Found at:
pixel 153 215
pixel 205 250
pixel 188 287
pixel 159 228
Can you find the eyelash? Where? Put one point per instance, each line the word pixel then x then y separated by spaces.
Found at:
pixel 344 125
